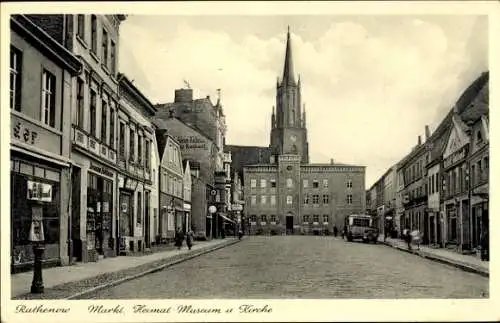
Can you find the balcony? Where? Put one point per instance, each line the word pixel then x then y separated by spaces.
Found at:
pixel 91 144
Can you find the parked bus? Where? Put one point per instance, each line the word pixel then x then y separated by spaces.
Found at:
pixel 360 226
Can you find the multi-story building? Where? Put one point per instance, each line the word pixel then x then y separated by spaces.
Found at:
pixel 201 152
pixel 288 194
pixel 389 188
pixel 415 188
pixel 41 74
pixel 463 171
pixel 137 168
pixel 95 40
pixel 399 209
pixel 187 184
pixel 171 178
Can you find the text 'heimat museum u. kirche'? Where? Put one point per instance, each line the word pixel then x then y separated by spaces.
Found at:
pixel 283 191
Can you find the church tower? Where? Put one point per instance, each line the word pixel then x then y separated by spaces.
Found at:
pixel 288 122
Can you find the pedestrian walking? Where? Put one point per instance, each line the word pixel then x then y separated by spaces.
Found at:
pixel 335 230
pixel 179 238
pixel 407 237
pixel 416 237
pixel 189 239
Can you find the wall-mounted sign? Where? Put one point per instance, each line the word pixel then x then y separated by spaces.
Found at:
pixel 21 132
pixel 191 142
pixel 39 191
pixel 456 157
pixel 131 184
pixel 101 170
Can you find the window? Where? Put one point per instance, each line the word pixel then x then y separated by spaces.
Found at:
pixel 104 121
pixel 48 98
pixel 254 200
pixel 262 183
pixel 306 199
pixel 147 156
pixel 289 200
pixel 305 183
pixel 253 183
pixel 349 183
pixel 325 218
pixel 273 199
pixel 263 199
pixel 253 218
pixel 315 199
pixel 132 145
pixel 139 149
pixel 16 59
pixel 139 207
pixel 325 183
pixel 122 140
pixel 479 137
pixel 93 38
pixel 349 198
pixel 273 218
pixel 93 121
pixel 80 88
pixel 104 47
pixel 112 128
pixel 315 184
pixel 289 183
pixel 273 183
pixel 113 58
pixel 326 199
pixel 315 218
pixel 486 163
pixel 473 175
pixel 305 219
pixel 263 218
pixel 81 27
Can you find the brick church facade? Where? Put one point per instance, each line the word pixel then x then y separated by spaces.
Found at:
pixel 285 193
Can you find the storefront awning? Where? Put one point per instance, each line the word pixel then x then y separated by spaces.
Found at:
pixel 226 218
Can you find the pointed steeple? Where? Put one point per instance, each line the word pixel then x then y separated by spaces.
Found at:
pixel 288 73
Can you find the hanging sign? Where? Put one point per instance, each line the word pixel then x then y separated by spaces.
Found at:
pixel 39 192
pixel 36 230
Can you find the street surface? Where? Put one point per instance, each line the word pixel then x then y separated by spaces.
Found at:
pixel 303 267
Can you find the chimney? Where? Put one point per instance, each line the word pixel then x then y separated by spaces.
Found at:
pixel 331 161
pixel 427 132
pixel 419 140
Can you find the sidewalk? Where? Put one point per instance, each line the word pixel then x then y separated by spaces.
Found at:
pixel 68 281
pixel 464 262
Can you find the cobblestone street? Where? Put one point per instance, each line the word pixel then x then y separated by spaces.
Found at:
pixel 303 267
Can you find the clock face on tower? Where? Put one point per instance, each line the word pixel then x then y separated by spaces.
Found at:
pixel 293 138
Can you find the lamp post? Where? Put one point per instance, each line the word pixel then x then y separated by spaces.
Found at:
pixel 212 209
pixel 37 237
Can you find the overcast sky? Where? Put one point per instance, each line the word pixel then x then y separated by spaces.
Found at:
pixel 370 83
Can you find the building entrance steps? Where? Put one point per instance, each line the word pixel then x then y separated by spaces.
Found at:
pixel 69 280
pixel 466 262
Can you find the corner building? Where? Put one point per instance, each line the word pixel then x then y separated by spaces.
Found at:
pixel 289 195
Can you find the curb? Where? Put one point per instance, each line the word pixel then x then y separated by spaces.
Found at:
pixel 464 267
pixel 170 262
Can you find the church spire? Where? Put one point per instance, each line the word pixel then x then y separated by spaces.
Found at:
pixel 288 73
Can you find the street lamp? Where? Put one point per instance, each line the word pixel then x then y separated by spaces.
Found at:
pixel 37 237
pixel 211 209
